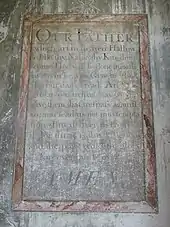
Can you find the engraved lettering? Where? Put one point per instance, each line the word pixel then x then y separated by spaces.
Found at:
pixel 68 37
pixel 90 177
pixel 76 178
pixel 43 35
pixel 105 57
pixel 84 128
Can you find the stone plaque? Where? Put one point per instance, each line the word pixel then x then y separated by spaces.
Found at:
pixel 85 138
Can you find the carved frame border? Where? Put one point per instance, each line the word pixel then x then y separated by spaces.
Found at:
pixel 150 204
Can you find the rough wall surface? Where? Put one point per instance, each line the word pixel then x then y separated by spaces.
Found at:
pixel 11 15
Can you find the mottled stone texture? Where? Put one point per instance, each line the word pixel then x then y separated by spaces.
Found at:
pixel 10 40
pixel 90 6
pixel 71 115
pixel 11 13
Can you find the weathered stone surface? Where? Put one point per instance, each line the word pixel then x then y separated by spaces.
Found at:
pixel 158 12
pixel 84 138
pixel 76 7
pixel 89 6
pixel 126 6
pixel 10 46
